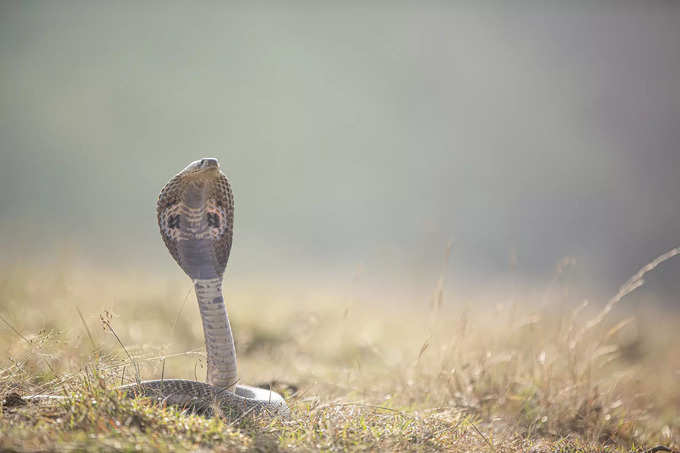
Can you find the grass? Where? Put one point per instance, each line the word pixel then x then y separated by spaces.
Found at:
pixel 442 376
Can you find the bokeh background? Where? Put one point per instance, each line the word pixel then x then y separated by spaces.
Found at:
pixel 540 140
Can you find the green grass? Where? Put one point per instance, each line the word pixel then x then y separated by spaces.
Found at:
pixel 377 376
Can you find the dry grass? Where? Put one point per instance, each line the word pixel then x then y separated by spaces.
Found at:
pixel 377 376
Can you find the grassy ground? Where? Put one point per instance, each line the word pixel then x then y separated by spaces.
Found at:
pixel 357 376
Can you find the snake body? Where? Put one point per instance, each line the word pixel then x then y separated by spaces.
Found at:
pixel 196 214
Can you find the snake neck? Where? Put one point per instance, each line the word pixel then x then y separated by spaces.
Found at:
pixel 219 342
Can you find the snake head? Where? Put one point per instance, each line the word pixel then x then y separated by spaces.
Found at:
pixel 207 166
pixel 195 215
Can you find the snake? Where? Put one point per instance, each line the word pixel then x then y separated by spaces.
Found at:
pixel 195 211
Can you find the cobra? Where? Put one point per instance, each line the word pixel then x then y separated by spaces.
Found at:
pixel 196 215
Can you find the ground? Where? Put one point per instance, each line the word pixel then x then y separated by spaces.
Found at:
pixel 433 375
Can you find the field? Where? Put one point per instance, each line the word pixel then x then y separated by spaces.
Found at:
pixel 440 374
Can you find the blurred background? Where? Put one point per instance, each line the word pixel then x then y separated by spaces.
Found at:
pixel 539 140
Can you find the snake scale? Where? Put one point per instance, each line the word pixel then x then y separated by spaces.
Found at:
pixel 196 215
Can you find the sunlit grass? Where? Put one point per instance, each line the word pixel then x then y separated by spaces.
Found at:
pixel 357 376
